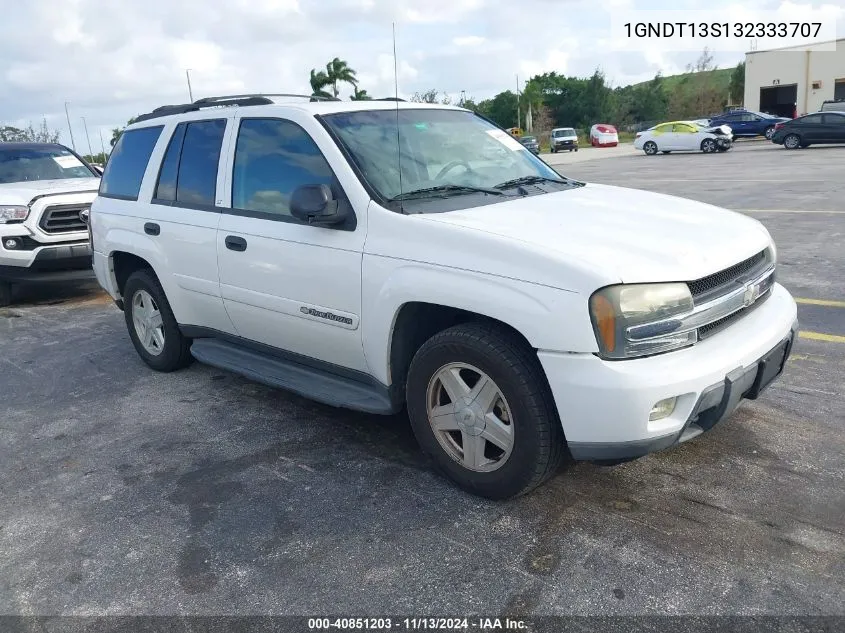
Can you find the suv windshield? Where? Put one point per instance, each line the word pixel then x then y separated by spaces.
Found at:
pixel 444 153
pixel 21 164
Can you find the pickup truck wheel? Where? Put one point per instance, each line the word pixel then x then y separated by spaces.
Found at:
pixel 5 294
pixel 480 406
pixel 152 326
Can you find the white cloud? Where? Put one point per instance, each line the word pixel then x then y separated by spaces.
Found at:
pixel 468 40
pixel 112 60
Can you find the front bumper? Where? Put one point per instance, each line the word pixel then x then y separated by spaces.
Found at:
pixel 604 406
pixel 35 262
pixel 566 144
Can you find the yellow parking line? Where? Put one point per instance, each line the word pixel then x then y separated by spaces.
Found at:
pixel 821 302
pixel 818 336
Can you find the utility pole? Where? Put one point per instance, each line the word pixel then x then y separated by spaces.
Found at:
pixel 102 145
pixel 70 129
pixel 90 151
pixel 188 76
pixel 517 102
pixel 463 98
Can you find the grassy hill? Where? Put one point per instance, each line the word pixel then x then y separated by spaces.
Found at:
pixel 721 77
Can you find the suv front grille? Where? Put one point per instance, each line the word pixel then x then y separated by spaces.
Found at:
pixel 725 280
pixel 63 218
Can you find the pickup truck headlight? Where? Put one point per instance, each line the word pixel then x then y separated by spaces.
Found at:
pixel 614 309
pixel 13 214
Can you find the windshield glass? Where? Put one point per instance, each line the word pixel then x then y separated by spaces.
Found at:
pixel 21 164
pixel 439 148
pixel 566 132
pixel 529 139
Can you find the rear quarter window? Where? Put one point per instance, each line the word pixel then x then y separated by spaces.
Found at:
pixel 128 162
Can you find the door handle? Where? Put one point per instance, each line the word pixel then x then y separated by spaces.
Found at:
pixel 235 243
pixel 151 228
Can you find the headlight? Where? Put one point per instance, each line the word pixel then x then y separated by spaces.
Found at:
pixel 615 309
pixel 13 214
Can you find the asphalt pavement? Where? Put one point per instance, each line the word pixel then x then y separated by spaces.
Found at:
pixel 124 491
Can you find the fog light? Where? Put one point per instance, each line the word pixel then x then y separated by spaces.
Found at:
pixel 662 409
pixel 11 243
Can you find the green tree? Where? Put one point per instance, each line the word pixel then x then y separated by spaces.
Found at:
pixel 737 84
pixel 319 81
pixel 429 96
pixel 360 95
pixel 501 109
pixel 338 71
pixel 29 134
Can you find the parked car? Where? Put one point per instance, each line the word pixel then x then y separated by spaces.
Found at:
pixel 837 105
pixel 747 123
pixel 683 136
pixel 46 190
pixel 530 143
pixel 819 128
pixel 603 135
pixel 563 138
pixel 517 314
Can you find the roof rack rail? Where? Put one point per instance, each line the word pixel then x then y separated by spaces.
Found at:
pixel 225 100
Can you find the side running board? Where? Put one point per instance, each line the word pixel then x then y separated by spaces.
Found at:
pixel 310 382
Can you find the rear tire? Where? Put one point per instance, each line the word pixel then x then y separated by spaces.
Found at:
pixel 152 326
pixel 792 141
pixel 524 415
pixel 5 294
pixel 769 132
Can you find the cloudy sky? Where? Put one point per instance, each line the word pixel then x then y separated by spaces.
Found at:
pixel 112 59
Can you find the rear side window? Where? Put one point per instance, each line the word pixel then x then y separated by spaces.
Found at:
pixel 128 162
pixel 834 119
pixel 197 180
pixel 272 158
pixel 166 187
pixel 812 119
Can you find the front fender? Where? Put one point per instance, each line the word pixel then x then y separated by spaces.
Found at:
pixel 549 318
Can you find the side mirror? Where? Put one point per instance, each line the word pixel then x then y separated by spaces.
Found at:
pixel 315 204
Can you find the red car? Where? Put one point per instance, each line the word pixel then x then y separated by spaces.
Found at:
pixel 603 135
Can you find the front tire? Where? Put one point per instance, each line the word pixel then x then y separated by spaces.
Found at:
pixel 480 406
pixel 152 326
pixel 5 294
pixel 650 148
pixel 792 141
pixel 708 146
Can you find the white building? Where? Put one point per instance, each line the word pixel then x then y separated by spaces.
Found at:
pixel 778 80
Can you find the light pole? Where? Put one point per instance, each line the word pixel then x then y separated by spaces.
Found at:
pixel 188 76
pixel 463 97
pixel 85 125
pixel 102 145
pixel 69 128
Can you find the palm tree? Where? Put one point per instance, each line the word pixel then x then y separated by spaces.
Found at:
pixel 338 70
pixel 319 80
pixel 360 95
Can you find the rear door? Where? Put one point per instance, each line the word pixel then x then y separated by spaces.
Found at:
pixel 834 127
pixel 183 208
pixel 812 129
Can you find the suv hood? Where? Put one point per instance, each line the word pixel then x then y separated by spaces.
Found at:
pixel 627 234
pixel 22 193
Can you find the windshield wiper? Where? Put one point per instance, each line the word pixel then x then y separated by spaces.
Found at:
pixel 532 180
pixel 446 190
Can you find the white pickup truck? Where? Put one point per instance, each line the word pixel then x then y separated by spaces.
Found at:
pixel 45 194
pixel 380 255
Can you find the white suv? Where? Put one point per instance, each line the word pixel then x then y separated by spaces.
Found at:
pixel 518 314
pixel 45 193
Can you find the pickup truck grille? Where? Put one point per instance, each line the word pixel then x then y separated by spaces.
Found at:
pixel 63 218
pixel 725 280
